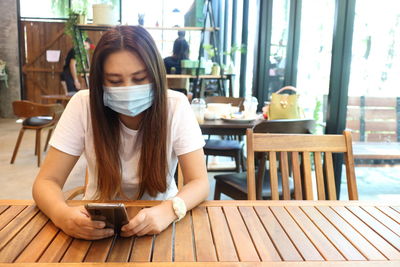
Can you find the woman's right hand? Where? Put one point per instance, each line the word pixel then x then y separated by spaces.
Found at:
pixel 76 222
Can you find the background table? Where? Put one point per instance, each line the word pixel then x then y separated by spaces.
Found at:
pixel 220 233
pixel 220 127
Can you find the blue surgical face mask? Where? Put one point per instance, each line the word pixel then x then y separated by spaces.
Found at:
pixel 129 100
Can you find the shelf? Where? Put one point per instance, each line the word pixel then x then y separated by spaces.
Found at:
pixel 95 27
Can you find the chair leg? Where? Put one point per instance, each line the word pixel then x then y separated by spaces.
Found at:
pixel 38 151
pixel 217 192
pixel 237 162
pixel 36 138
pixel 48 139
pixel 21 134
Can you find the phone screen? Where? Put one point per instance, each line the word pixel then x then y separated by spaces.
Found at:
pixel 113 214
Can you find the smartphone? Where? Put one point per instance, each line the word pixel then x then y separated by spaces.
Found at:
pixel 113 214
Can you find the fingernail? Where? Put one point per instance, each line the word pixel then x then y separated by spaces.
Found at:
pixel 110 232
pixel 102 224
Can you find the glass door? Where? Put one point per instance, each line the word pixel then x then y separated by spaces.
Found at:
pixel 315 52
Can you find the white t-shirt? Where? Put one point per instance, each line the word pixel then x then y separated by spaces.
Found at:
pixel 73 135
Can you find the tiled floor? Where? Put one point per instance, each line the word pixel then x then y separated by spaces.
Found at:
pixel 16 179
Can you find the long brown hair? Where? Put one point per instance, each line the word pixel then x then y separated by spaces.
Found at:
pixel 152 168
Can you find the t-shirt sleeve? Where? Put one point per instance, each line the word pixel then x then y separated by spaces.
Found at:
pixel 69 135
pixel 186 133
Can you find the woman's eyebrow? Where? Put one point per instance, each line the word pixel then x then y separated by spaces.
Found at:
pixel 139 72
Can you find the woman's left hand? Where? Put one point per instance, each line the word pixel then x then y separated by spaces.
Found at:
pixel 150 220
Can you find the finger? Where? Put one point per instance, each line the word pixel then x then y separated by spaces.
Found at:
pixel 135 230
pixel 97 234
pixel 87 222
pixel 147 230
pixel 137 220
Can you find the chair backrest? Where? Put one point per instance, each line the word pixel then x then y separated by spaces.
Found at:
pixel 297 148
pixel 235 101
pixel 26 109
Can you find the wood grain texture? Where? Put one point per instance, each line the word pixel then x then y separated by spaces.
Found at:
pixel 390 212
pixel 307 178
pixel 57 248
pixel 39 244
pixel 205 248
pixel 298 192
pixel 99 250
pixel 184 243
pixel 324 246
pixel 337 239
pixel 330 176
pixel 261 240
pixel 121 250
pixel 222 237
pixel 319 176
pixel 383 218
pixel 10 214
pixel 273 176
pixel 241 237
pixel 355 238
pixel 163 246
pixel 381 244
pixel 76 251
pixel 3 208
pixel 142 249
pixel 284 166
pixel 286 249
pixel 11 251
pixel 378 227
pixel 296 235
pixel 12 228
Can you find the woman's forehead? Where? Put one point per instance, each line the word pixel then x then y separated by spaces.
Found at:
pixel 123 62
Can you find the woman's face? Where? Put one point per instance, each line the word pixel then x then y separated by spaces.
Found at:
pixel 124 68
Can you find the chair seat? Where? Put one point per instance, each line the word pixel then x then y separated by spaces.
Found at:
pixel 239 182
pixel 36 121
pixel 223 145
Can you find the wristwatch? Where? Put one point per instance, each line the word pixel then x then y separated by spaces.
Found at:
pixel 179 207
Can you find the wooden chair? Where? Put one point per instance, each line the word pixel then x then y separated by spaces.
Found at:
pixel 33 113
pixel 225 148
pixel 80 190
pixel 298 148
pixel 234 185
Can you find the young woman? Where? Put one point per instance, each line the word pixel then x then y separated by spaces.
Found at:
pixel 132 131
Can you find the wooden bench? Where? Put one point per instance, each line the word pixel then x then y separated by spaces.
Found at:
pixel 375 126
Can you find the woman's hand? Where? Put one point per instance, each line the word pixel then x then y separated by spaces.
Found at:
pixel 76 222
pixel 150 220
pixel 77 84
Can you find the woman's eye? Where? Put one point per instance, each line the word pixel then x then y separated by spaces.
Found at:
pixel 139 79
pixel 114 82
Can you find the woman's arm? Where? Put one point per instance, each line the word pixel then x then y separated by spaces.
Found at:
pixel 156 219
pixel 47 192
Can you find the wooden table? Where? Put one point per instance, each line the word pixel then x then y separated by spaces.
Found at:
pixel 219 233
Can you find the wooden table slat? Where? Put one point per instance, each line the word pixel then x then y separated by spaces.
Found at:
pixel 11 251
pixel 10 214
pixel 162 250
pixel 358 241
pixel 296 235
pixel 324 246
pixel 184 246
pixel 99 250
pixel 338 240
pixel 382 230
pixel 205 249
pixel 121 250
pixel 381 244
pixel 282 242
pixel 262 242
pixel 241 237
pixel 390 212
pixel 383 218
pixel 396 208
pixel 57 248
pixel 3 208
pixel 39 244
pixel 13 227
pixel 76 251
pixel 142 249
pixel 222 237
